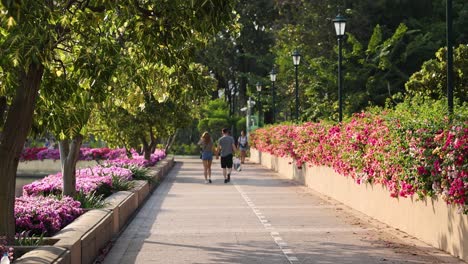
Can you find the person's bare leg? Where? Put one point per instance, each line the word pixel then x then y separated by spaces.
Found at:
pixel 205 169
pixel 209 170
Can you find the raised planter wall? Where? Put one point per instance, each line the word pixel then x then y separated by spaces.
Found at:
pixel 82 240
pixel 48 166
pixel 431 221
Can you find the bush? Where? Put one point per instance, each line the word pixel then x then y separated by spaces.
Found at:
pixel 45 215
pixel 407 152
pixel 88 180
pixel 185 149
pixel 90 200
pixel 4 249
pixel 117 155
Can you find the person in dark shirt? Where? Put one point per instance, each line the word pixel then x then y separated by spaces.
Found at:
pixel 226 149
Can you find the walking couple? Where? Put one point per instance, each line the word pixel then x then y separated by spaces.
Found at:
pixel 226 148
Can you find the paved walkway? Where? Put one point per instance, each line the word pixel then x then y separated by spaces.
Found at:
pixel 257 218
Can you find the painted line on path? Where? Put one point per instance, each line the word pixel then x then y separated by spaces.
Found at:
pixel 282 245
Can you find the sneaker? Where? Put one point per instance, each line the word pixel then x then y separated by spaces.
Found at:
pixel 225 180
pixel 209 180
pixel 206 181
pixel 229 177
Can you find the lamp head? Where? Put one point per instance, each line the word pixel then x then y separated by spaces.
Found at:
pixel 259 86
pixel 296 58
pixel 273 75
pixel 340 25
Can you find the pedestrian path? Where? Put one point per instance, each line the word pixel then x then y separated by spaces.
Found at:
pixel 256 218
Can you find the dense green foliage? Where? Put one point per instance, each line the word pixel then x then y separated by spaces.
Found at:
pixel 431 79
pixel 386 43
pixel 128 59
pixel 215 117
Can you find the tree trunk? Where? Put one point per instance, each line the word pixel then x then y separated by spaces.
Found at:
pixel 69 154
pixel 3 107
pixel 15 130
pixel 146 149
pixel 153 147
pixel 153 143
pixel 170 141
pixel 128 153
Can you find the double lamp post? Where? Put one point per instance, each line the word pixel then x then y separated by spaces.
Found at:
pixel 340 24
pixel 296 60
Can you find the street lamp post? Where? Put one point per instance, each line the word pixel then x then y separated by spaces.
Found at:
pixel 215 94
pixel 296 59
pixel 259 90
pixel 273 94
pixel 449 57
pixel 340 24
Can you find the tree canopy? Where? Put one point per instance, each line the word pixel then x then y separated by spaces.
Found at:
pixel 70 54
pixel 386 42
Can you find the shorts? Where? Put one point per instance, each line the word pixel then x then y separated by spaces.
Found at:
pixel 226 162
pixel 207 155
pixel 241 148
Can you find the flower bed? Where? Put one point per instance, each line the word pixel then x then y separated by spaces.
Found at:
pixel 139 160
pixel 119 155
pixel 45 215
pixel 39 212
pixel 87 181
pixel 5 249
pixel 379 149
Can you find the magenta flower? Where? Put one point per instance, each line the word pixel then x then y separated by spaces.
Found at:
pixel 87 180
pixel 374 149
pixel 45 215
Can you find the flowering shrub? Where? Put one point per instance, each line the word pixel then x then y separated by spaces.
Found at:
pixel 371 148
pixel 85 154
pixel 87 181
pixel 39 214
pixel 45 215
pixel 4 249
pixel 101 154
pixel 117 156
pixel 30 153
pixel 138 160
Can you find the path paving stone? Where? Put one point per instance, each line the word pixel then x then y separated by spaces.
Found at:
pixel 257 218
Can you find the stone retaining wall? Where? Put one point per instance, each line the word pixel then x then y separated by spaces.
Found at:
pixel 48 166
pixel 83 239
pixel 431 221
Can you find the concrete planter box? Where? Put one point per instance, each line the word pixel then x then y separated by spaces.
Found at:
pixel 85 236
pixel 431 220
pixel 46 254
pixel 141 189
pixel 160 171
pixel 82 240
pixel 122 205
pixel 157 175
